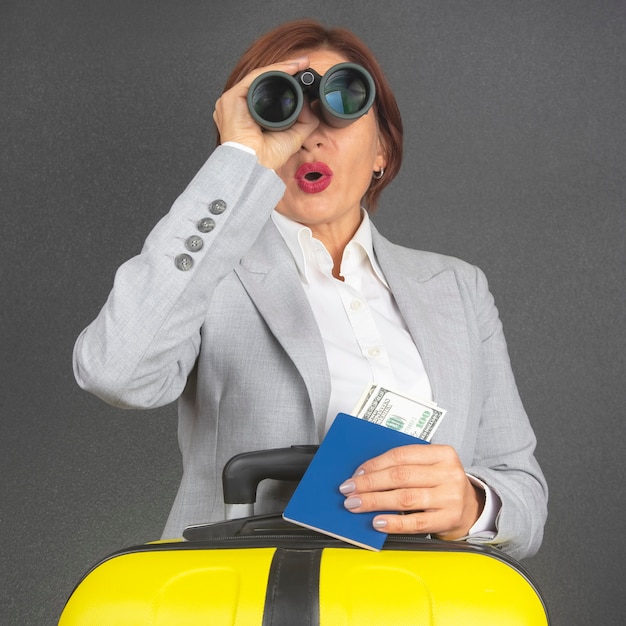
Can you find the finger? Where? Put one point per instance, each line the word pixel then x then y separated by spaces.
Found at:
pixel 421 522
pixel 394 500
pixel 278 147
pixel 449 511
pixel 407 455
pixel 400 477
pixel 306 123
pixel 290 66
pixel 436 523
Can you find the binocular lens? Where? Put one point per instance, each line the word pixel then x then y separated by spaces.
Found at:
pixel 274 100
pixel 346 92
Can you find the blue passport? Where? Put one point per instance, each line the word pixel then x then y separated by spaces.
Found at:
pixel 317 502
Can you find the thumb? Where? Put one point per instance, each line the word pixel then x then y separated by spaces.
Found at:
pixel 280 146
pixel 306 123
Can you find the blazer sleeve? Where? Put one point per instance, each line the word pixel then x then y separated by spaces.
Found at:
pixel 140 349
pixel 504 454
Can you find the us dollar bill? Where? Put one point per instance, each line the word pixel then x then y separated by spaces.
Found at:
pixel 419 418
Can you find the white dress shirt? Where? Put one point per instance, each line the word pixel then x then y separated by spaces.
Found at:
pixel 364 334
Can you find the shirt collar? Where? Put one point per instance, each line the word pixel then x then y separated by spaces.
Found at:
pixel 302 245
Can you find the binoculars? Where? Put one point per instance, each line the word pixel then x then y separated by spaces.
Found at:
pixel 346 92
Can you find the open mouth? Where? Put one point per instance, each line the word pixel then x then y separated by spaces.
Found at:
pixel 313 177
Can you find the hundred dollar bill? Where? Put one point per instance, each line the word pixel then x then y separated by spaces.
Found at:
pixel 372 387
pixel 419 418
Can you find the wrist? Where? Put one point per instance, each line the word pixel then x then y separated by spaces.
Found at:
pixel 474 503
pixel 240 146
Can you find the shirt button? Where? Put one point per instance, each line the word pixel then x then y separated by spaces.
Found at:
pixel 206 225
pixel 194 243
pixel 183 262
pixel 356 305
pixel 374 352
pixel 217 207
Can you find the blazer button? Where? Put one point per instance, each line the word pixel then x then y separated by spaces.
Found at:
pixel 194 243
pixel 183 262
pixel 217 207
pixel 206 224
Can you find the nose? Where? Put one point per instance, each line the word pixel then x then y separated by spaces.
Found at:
pixel 317 138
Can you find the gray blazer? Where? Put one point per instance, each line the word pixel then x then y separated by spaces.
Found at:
pixel 228 332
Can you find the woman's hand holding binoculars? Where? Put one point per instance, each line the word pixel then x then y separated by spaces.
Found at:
pixel 235 123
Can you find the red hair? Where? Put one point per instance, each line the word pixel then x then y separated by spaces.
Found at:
pixel 292 38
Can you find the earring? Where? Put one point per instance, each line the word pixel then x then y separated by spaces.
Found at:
pixel 379 174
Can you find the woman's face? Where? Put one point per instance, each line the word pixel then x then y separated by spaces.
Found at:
pixel 327 178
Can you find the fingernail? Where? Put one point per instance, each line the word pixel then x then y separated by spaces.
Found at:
pixel 352 503
pixel 347 487
pixel 380 523
pixel 359 472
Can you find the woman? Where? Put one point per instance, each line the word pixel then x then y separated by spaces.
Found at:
pixel 265 302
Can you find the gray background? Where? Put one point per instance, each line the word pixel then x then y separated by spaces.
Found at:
pixel 514 116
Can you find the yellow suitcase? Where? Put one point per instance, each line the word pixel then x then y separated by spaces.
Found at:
pixel 261 570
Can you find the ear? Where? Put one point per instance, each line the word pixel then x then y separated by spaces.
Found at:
pixel 380 161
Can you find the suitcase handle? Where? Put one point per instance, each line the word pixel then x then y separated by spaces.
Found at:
pixel 243 473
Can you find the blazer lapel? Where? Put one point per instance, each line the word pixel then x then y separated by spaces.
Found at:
pixel 428 299
pixel 427 296
pixel 270 277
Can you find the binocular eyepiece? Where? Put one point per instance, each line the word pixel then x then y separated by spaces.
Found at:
pixel 346 92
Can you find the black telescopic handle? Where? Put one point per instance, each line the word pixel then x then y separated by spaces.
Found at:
pixel 243 473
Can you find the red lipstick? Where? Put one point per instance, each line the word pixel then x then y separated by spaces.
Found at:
pixel 313 177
